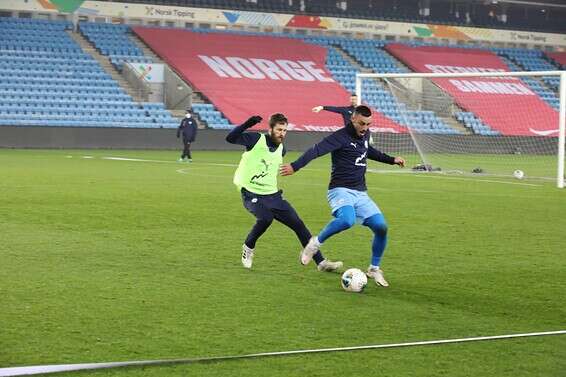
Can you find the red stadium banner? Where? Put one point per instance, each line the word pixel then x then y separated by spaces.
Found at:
pixel 257 75
pixel 559 57
pixel 506 104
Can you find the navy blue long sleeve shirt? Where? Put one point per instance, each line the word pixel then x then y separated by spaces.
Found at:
pixel 249 139
pixel 349 157
pixel 188 128
pixel 346 112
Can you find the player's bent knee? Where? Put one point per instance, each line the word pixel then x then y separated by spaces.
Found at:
pixel 265 222
pixel 377 224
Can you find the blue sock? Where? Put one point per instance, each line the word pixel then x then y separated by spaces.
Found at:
pixel 379 227
pixel 345 217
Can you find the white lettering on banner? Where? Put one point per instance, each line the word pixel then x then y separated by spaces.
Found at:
pixel 246 68
pixel 219 66
pixel 455 69
pixel 272 70
pixel 259 69
pixel 309 127
pixel 489 87
pixel 294 70
pixel 316 72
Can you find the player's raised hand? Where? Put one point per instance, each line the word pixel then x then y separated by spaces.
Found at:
pixel 286 169
pixel 400 161
pixel 255 119
pixel 317 109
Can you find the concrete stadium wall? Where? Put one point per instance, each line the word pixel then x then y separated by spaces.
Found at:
pixel 128 138
pixel 143 138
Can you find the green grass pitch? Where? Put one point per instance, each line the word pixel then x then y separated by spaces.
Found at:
pixel 109 260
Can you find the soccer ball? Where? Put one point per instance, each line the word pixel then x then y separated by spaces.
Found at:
pixel 518 174
pixel 354 280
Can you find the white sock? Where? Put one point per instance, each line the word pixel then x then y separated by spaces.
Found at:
pixel 372 267
pixel 317 242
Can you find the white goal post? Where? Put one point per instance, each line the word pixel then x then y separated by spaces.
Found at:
pixel 474 123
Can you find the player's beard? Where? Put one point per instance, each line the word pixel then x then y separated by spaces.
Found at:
pixel 277 139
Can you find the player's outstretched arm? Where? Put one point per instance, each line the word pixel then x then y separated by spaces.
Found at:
pixel 237 135
pixel 325 146
pixel 400 161
pixel 376 155
pixel 286 169
pixel 336 109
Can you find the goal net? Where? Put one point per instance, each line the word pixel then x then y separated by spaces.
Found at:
pixel 504 124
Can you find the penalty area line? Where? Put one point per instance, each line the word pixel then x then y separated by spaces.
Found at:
pixel 44 369
pixel 480 180
pixel 438 176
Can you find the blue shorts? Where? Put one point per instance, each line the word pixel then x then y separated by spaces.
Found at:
pixel 364 206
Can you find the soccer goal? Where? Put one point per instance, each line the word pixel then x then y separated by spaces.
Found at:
pixel 506 124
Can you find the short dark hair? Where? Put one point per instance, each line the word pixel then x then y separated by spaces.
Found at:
pixel 363 110
pixel 277 118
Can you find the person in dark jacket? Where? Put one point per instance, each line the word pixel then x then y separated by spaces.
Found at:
pixel 346 111
pixel 188 128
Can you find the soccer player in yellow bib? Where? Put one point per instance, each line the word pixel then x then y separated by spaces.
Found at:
pixel 256 178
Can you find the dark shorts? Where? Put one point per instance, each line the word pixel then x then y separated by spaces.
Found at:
pixel 258 204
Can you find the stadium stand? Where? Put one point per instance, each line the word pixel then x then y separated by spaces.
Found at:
pixel 56 65
pixel 490 14
pixel 475 124
pixel 522 59
pixel 50 81
pixel 370 55
pixel 518 107
pixel 112 40
pixel 559 58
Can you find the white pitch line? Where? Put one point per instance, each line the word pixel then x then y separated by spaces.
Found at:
pixel 162 161
pixel 421 175
pixel 478 180
pixel 44 369
pixel 440 176
pixel 136 160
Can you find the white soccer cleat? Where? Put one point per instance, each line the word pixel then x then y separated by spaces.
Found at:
pixel 329 266
pixel 309 250
pixel 247 256
pixel 377 275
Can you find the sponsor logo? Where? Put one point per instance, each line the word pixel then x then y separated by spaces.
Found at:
pixel 152 11
pixel 338 202
pixel 360 161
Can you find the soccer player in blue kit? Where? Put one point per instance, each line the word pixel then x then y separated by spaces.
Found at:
pixel 347 191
